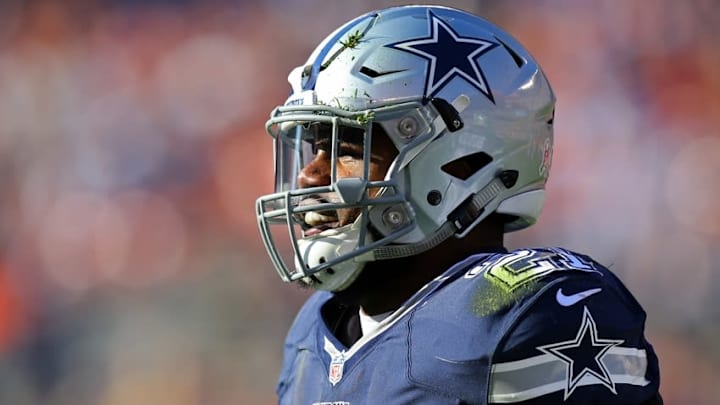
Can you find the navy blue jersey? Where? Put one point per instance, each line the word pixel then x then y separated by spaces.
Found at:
pixel 532 326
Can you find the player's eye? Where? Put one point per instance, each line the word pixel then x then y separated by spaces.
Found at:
pixel 319 135
pixel 321 144
pixel 350 151
pixel 350 139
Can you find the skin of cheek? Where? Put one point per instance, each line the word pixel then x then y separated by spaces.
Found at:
pixel 350 167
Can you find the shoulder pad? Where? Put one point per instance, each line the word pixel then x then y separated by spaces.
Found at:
pixel 301 329
pixel 504 279
pixel 579 338
pixel 300 337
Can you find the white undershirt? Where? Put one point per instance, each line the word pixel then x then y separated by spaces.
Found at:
pixel 368 323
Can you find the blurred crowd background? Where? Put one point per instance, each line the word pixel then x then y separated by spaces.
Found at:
pixel 132 148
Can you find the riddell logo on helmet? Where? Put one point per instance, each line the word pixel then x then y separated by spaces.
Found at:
pixel 302 98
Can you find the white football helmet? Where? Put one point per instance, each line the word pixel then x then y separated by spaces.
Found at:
pixel 468 109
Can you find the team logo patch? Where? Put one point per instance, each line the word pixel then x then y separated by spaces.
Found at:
pixel 449 55
pixel 583 356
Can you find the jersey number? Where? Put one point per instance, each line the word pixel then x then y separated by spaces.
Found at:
pixel 520 267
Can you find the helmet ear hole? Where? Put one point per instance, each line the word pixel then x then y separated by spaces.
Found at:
pixel 464 167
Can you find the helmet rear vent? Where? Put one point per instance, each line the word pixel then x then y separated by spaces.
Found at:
pixel 519 60
pixel 467 165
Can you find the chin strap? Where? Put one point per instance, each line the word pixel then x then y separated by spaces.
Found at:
pixel 396 251
pixel 460 222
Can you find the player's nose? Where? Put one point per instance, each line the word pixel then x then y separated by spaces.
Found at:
pixel 316 173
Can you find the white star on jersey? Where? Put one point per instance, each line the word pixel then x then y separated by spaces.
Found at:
pixel 583 355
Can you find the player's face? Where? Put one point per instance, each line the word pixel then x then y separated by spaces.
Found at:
pixel 350 163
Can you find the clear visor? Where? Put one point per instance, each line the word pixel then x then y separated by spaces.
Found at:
pixel 297 144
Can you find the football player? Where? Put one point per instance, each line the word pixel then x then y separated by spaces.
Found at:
pixel 413 139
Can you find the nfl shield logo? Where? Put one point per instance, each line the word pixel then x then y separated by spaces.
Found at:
pixel 336 369
pixel 337 362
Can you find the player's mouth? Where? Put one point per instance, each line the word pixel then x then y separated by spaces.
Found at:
pixel 316 222
pixel 319 222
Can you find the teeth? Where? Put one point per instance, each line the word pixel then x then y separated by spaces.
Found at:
pixel 314 218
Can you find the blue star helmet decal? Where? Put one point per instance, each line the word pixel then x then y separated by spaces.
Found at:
pixel 450 55
pixel 583 355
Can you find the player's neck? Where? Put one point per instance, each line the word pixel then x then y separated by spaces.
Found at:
pixel 385 285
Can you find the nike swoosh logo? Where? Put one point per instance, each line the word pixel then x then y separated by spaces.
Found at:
pixel 572 299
